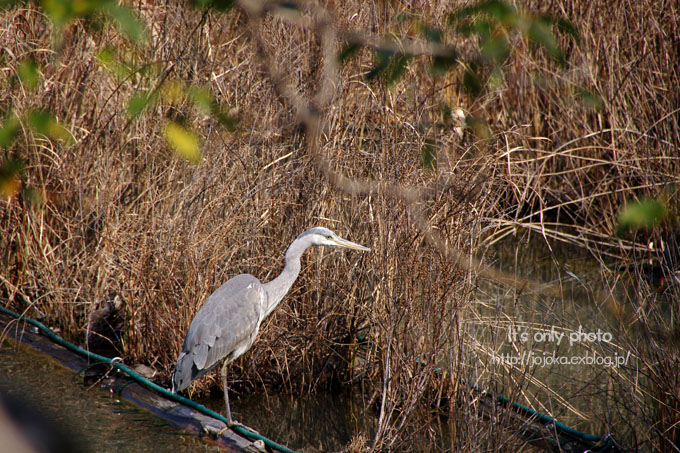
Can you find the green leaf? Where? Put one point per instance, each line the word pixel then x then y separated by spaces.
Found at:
pixel 465 30
pixel 442 63
pixel 495 48
pixel 45 123
pixel 138 103
pixel 289 5
pixel 226 120
pixel 29 73
pixel 7 4
pixel 32 197
pixel 472 81
pixel 173 91
pixel 500 11
pixel 482 28
pixel 495 80
pixel 462 16
pixel 590 99
pixel 206 102
pixel 348 50
pixel 391 64
pixel 10 178
pixel 640 214
pixel 540 33
pixel 40 121
pixel 108 58
pixel 8 130
pixel 479 127
pixel 183 142
pixel 396 69
pixel 382 61
pixel 432 34
pixel 219 5
pixel 60 12
pixel 429 155
pixel 203 99
pixel 127 21
pixel 563 25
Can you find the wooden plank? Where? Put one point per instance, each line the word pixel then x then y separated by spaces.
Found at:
pixel 178 415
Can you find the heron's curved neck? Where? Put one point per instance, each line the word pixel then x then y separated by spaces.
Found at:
pixel 277 288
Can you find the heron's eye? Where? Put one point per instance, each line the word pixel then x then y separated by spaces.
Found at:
pixel 330 238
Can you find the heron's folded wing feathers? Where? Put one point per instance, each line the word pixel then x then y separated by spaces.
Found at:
pixel 228 318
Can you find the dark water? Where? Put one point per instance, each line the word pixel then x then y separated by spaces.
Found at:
pixel 91 419
pixel 320 422
pixel 578 377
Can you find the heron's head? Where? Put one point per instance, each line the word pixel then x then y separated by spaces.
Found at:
pixel 324 236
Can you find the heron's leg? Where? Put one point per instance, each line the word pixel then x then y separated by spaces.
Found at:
pixel 230 421
pixel 226 391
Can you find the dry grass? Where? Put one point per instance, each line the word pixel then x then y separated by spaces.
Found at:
pixel 119 213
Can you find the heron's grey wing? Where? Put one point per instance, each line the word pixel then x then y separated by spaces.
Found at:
pixel 224 327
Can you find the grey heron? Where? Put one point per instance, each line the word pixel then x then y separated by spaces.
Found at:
pixel 226 325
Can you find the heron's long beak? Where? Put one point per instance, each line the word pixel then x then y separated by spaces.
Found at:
pixel 340 242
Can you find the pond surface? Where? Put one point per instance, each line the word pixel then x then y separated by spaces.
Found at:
pixel 569 352
pixel 92 419
pixel 318 422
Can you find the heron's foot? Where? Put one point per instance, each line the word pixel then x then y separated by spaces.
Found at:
pixel 234 424
pixel 231 425
pixel 222 431
pixel 214 430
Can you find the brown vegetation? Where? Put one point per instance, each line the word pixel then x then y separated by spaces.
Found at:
pixel 118 213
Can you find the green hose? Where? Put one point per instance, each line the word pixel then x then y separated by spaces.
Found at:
pixel 559 427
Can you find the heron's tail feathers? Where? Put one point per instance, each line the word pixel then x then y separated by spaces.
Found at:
pixel 181 377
